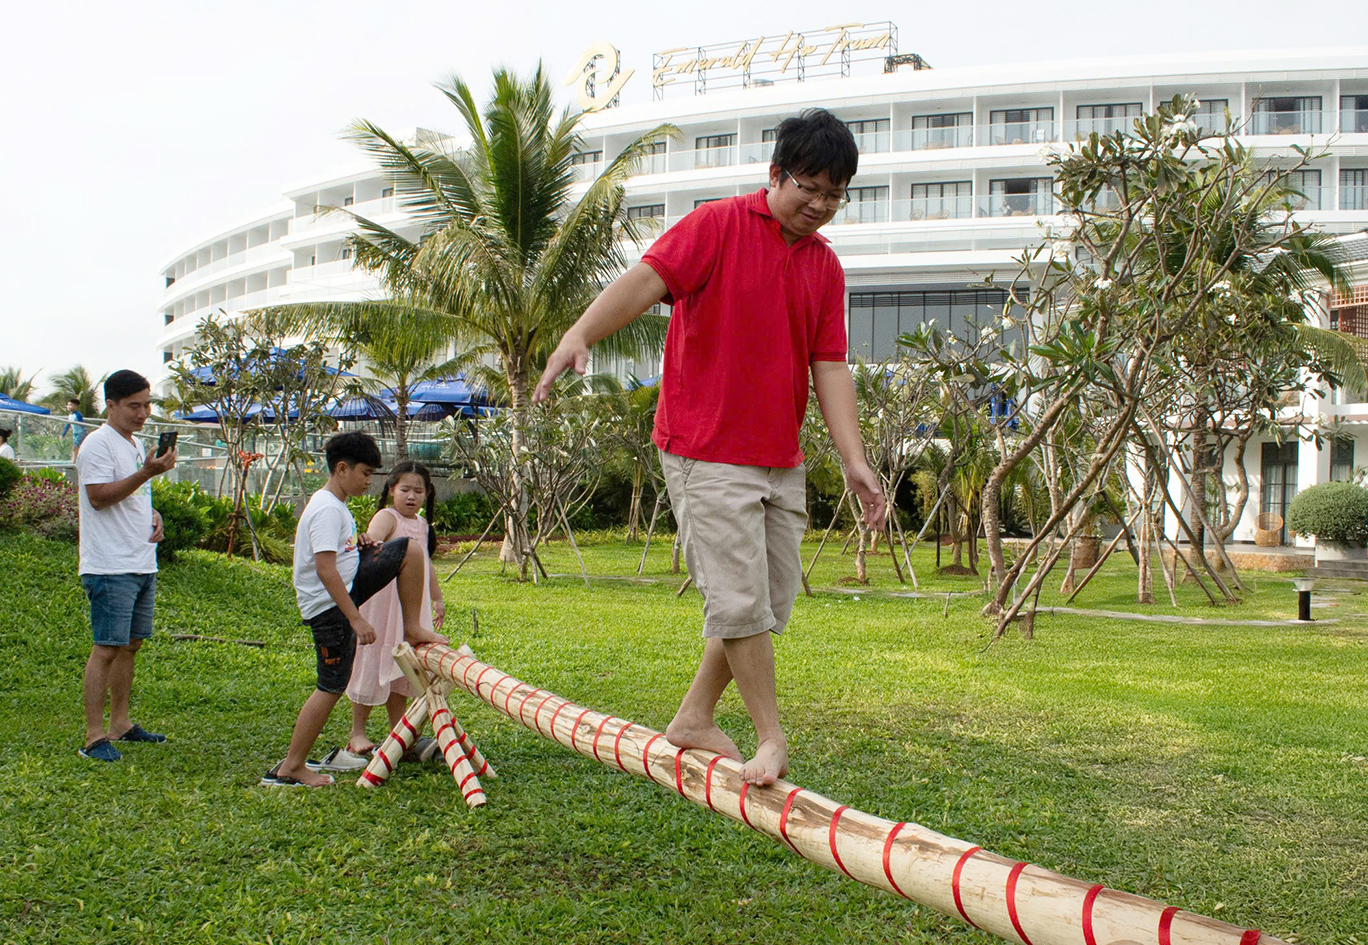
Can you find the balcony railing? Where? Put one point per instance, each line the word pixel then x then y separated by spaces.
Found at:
pixel 1017 205
pixel 1020 132
pixel 934 139
pixel 1353 197
pixel 1353 121
pixel 873 142
pixel 1301 122
pixel 1083 127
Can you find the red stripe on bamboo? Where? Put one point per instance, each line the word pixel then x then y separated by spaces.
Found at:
pixel 371 779
pixel 955 883
pixel 509 696
pixel 522 705
pixel 403 720
pixel 783 820
pixel 464 781
pixel 1166 925
pixel 888 849
pixel 536 713
pixel 646 755
pixel 1251 937
pixel 574 732
pixel 556 713
pixel 679 771
pixel 1093 892
pixel 388 767
pixel 745 788
pixel 597 733
pixel 617 746
pixel 465 677
pixel 707 782
pixel 831 838
pixel 475 792
pixel 480 678
pixel 1011 901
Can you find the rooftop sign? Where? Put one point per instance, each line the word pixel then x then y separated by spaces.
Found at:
pixel 792 56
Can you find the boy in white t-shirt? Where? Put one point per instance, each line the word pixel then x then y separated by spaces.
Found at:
pixel 6 451
pixel 335 571
pixel 119 535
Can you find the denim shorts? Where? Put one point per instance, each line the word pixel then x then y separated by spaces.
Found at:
pixel 120 606
pixel 334 639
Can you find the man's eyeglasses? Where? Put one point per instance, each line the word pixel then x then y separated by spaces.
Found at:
pixel 833 201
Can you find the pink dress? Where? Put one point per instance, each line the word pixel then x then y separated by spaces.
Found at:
pixel 375 674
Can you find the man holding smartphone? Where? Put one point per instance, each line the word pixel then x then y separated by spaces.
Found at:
pixel 119 535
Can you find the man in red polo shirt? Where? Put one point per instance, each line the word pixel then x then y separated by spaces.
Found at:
pixel 758 303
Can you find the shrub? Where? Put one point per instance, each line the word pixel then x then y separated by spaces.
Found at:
pixel 10 473
pixel 465 513
pixel 1331 511
pixel 363 509
pixel 185 510
pixel 44 506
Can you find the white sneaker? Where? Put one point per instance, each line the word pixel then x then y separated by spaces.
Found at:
pixel 339 759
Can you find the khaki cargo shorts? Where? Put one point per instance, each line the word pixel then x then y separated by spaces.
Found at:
pixel 741 527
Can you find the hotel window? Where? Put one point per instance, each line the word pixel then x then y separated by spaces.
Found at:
pixel 1210 115
pixel 346 252
pixel 1022 125
pixel 1342 460
pixel 650 210
pixel 1354 114
pixel 1107 119
pixel 878 318
pixel 1290 115
pixel 930 132
pixel 1307 185
pixel 169 318
pixel 581 158
pixel 944 200
pixel 1353 190
pixel 871 135
pixel 1349 312
pixel 654 161
pixel 714 151
pixel 867 205
pixel 348 201
pixel 1020 197
pixel 166 356
pixel 387 192
pixel 702 200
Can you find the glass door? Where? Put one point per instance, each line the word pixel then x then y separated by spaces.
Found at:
pixel 1279 481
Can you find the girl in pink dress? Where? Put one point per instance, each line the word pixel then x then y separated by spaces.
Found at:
pixel 376 678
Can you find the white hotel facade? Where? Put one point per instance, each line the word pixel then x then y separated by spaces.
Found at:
pixel 952 186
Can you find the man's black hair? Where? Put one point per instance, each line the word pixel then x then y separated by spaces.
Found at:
pixel 123 384
pixel 816 141
pixel 351 448
pixel 4 434
pixel 73 400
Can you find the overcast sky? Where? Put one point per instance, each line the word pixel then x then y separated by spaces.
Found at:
pixel 134 130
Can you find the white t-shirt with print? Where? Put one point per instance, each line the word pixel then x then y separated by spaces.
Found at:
pixel 117 539
pixel 326 525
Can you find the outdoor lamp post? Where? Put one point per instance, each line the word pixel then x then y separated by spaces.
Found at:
pixel 1303 586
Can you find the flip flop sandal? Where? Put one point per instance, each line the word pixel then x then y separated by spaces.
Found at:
pixel 274 778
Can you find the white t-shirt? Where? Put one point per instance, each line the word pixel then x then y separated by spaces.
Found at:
pixel 7 452
pixel 115 540
pixel 326 525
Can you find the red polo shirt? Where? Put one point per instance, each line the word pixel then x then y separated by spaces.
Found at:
pixel 751 313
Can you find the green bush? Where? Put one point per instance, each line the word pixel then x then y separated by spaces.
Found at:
pixel 41 505
pixel 10 474
pixel 465 513
pixel 186 512
pixel 363 509
pixel 1332 511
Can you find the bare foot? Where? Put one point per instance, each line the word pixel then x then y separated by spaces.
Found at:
pixel 418 636
pixel 366 746
pixel 769 764
pixel 304 776
pixel 706 737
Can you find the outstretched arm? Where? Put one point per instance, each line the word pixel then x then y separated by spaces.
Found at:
pixel 836 396
pixel 617 306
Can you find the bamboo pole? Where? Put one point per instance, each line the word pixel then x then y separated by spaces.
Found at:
pixel 1014 900
pixel 401 739
pixel 443 723
pixel 641 565
pixel 418 678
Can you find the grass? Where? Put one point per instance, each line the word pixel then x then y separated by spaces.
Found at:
pixel 1219 768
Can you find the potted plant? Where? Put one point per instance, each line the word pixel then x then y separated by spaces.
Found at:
pixel 1336 514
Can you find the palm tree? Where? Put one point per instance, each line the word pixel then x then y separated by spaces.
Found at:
pixel 503 251
pixel 13 384
pixel 77 383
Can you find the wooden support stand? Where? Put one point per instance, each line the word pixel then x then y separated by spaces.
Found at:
pixel 1016 901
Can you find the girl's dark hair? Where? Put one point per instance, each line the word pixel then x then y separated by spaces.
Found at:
pixel 816 141
pixel 404 468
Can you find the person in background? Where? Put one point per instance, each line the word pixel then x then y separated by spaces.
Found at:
pixel 118 564
pixel 6 451
pixel 74 424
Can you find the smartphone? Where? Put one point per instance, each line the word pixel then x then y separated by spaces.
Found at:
pixel 166 442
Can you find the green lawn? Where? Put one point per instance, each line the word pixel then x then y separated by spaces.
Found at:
pixel 1217 768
